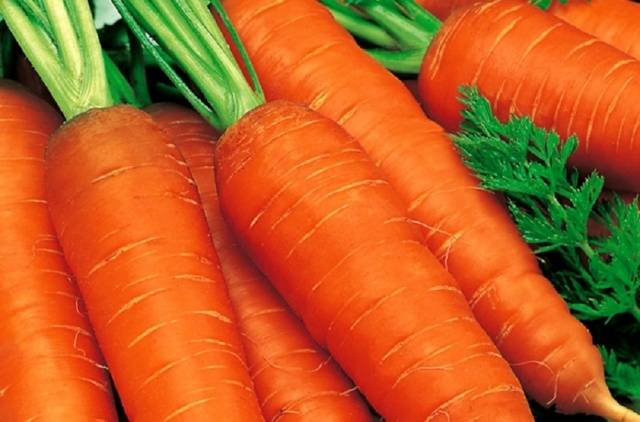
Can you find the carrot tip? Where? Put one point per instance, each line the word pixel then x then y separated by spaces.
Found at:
pixel 610 409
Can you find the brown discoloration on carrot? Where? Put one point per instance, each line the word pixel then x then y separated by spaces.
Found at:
pixel 50 365
pixel 295 379
pixel 123 201
pixel 366 290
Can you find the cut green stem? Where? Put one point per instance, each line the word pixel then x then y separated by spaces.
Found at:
pixel 360 27
pixel 62 45
pixel 186 31
pixel 411 26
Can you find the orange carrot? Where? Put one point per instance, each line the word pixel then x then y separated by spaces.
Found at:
pixel 613 21
pixel 131 225
pixel 50 365
pixel 301 54
pixel 330 233
pixel 443 8
pixel 293 377
pixel 588 91
pixel 130 222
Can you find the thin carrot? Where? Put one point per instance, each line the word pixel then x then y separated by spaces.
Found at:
pixel 293 377
pixel 50 365
pixel 301 54
pixel 443 8
pixel 132 228
pixel 370 310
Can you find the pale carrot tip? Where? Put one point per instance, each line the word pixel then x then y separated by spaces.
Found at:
pixel 614 411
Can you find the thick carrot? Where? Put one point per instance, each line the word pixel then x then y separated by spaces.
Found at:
pixel 130 222
pixel 528 62
pixel 331 234
pixel 131 225
pixel 50 365
pixel 613 21
pixel 294 379
pixel 301 54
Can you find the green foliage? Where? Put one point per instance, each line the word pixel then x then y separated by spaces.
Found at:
pixel 597 272
pixel 545 4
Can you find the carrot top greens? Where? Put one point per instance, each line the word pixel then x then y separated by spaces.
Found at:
pixel 598 275
pixel 409 29
pixel 187 33
pixel 63 46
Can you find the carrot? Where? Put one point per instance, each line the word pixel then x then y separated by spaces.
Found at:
pixel 293 377
pixel 50 365
pixel 331 234
pixel 613 21
pixel 369 312
pixel 443 8
pixel 588 92
pixel 466 227
pixel 131 225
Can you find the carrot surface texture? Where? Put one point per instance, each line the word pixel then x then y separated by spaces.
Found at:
pixel 530 63
pixel 50 365
pixel 613 21
pixel 382 305
pixel 129 219
pixel 295 380
pixel 465 227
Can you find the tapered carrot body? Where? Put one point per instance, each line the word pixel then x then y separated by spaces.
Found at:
pixel 466 227
pixel 50 365
pixel 294 379
pixel 329 231
pixel 129 219
pixel 528 62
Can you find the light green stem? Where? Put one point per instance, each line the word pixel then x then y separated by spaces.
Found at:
pixel 62 45
pixel 187 31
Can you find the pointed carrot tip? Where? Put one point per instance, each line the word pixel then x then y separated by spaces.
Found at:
pixel 610 409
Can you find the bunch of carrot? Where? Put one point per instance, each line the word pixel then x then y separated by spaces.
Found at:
pixel 329 256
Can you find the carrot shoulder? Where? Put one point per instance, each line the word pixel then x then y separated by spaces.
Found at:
pixel 329 231
pixel 129 219
pixel 50 365
pixel 613 21
pixel 466 227
pixel 293 377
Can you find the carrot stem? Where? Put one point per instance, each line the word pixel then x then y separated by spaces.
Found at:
pixel 411 26
pixel 138 72
pixel 63 46
pixel 359 26
pixel 187 32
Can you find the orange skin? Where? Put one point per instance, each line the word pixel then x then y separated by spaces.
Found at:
pixel 130 221
pixel 50 365
pixel 561 77
pixel 328 230
pixel 613 21
pixel 294 379
pixel 443 8
pixel 465 226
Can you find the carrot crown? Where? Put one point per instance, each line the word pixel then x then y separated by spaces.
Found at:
pixel 400 31
pixel 62 44
pixel 185 32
